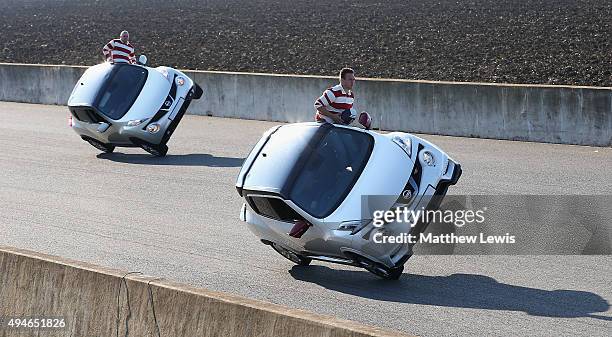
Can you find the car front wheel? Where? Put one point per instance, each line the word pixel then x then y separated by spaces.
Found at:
pixel 197 91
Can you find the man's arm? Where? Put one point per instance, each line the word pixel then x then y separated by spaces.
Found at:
pixel 106 51
pixel 335 117
pixel 325 101
pixel 132 55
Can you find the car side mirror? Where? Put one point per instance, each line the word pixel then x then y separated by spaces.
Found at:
pixel 103 127
pixel 142 60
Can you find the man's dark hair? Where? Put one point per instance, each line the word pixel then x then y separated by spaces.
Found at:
pixel 345 71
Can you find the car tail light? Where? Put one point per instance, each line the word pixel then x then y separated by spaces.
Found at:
pixel 299 228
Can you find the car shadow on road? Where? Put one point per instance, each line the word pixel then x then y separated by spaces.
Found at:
pixel 459 291
pixel 192 159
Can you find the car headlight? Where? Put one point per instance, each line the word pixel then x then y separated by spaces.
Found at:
pixel 428 158
pixel 164 72
pixel 153 128
pixel 180 80
pixel 135 122
pixel 405 143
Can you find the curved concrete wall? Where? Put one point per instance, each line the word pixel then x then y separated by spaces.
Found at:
pixel 555 114
pixel 96 301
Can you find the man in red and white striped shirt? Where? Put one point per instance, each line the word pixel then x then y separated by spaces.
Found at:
pixel 119 50
pixel 336 103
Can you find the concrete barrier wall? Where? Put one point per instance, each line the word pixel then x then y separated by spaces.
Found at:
pixel 555 114
pixel 98 301
pixel 40 84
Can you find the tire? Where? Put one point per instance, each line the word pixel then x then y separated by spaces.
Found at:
pixel 378 269
pixel 292 256
pixel 106 148
pixel 197 91
pixel 157 150
pixel 384 272
pixel 394 273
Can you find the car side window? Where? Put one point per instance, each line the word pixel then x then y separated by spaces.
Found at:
pixel 273 208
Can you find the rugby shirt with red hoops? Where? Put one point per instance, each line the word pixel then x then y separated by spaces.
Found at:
pixel 335 100
pixel 119 51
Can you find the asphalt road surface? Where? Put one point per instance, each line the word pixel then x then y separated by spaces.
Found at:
pixel 177 218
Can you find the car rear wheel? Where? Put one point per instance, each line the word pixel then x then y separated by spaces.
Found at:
pixel 294 257
pixel 157 150
pixel 106 148
pixel 386 273
pixel 378 269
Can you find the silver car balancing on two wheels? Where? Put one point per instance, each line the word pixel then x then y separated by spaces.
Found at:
pixel 129 105
pixel 304 187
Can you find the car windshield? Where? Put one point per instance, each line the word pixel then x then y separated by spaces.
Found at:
pixel 326 175
pixel 121 90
